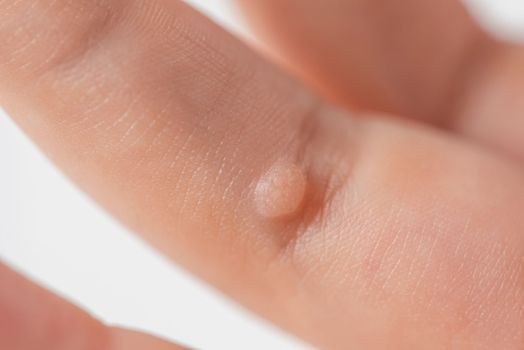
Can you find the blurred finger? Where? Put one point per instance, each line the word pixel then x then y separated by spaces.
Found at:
pixel 426 60
pixel 407 57
pixel 32 318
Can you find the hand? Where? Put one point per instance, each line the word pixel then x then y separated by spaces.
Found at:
pixel 312 206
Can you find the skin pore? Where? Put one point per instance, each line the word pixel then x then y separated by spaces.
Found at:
pixel 368 225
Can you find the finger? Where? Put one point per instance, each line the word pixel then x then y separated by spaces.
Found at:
pixel 32 318
pixel 422 59
pixel 338 229
pixel 491 110
pixel 409 58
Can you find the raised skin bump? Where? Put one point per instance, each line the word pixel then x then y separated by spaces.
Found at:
pixel 280 191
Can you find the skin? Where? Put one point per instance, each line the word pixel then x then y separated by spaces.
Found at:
pixel 281 191
pixel 410 235
pixel 32 319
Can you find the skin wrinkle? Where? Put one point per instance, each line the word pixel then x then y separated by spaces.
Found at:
pixel 325 186
pixel 220 176
pixel 55 59
pixel 295 248
pixel 237 254
pixel 409 229
pixel 79 124
pixel 290 229
pixel 100 99
pixel 341 249
pixel 440 225
pixel 376 259
pixel 209 156
pixel 214 60
pixel 169 151
pixel 156 142
pixel 369 259
pixel 21 51
pixel 436 238
pixel 458 248
pixel 198 174
pixel 122 140
pixel 494 286
pixel 17 32
pixel 434 302
pixel 350 266
pixel 476 315
pixel 511 282
pixel 185 147
pixel 486 283
pixel 85 125
pixel 476 274
pixel 102 23
pixel 356 223
pixel 480 293
pixel 395 265
pixel 218 68
pixel 125 116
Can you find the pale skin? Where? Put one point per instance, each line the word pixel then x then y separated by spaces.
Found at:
pixel 409 233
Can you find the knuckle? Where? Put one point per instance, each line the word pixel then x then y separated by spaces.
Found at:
pixel 42 36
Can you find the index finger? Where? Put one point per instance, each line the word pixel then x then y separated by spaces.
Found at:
pixel 321 222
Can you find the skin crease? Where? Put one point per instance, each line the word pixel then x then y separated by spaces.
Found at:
pixel 408 236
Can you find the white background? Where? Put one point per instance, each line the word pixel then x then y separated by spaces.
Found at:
pixel 53 233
